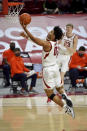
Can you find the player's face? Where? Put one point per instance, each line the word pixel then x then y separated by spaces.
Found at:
pixel 50 36
pixel 69 29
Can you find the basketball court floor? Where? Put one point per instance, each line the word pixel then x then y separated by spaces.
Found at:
pixel 33 113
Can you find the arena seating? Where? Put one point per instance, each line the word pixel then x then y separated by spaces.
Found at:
pixel 33 7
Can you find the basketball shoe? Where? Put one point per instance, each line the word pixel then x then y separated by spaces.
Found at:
pixel 67 100
pixel 69 111
pixel 69 106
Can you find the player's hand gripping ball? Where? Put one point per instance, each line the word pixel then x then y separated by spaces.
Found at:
pixel 25 18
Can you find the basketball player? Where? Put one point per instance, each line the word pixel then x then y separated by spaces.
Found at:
pixel 66 49
pixel 51 73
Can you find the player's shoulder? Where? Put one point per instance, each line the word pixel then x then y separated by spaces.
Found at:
pixel 51 43
pixel 48 46
pixel 75 36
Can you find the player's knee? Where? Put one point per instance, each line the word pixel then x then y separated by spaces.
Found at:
pixel 48 92
pixel 60 89
pixel 51 96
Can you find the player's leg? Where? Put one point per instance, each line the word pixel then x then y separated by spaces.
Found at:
pixel 69 108
pixel 50 77
pixel 62 77
pixel 59 102
pixel 64 66
pixel 49 84
pixel 64 96
pixel 54 80
pixel 54 97
pixel 60 88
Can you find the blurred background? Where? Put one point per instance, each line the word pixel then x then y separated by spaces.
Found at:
pixel 45 14
pixel 38 6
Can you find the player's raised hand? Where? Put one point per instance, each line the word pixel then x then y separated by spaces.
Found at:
pixel 23 35
pixel 23 25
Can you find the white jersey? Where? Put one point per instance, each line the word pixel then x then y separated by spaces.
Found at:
pixel 50 58
pixel 66 41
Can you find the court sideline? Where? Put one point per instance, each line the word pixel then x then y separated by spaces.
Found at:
pixel 34 114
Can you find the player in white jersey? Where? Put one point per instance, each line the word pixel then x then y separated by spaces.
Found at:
pixel 50 69
pixel 51 73
pixel 67 47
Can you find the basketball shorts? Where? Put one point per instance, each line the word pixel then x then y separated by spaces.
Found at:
pixel 51 77
pixel 62 62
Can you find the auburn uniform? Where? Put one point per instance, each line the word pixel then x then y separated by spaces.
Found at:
pixel 51 74
pixel 64 55
pixel 8 54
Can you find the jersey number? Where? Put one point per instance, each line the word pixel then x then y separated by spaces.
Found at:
pixel 56 51
pixel 67 43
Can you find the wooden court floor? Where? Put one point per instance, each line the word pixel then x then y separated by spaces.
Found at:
pixel 34 114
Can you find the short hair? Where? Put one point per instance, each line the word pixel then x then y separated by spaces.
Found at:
pixel 70 25
pixel 17 49
pixel 58 32
pixel 12 43
pixel 82 48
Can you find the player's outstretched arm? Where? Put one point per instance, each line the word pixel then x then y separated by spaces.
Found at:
pixel 35 39
pixel 24 35
pixel 75 42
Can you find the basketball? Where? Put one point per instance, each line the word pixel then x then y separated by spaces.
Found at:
pixel 25 18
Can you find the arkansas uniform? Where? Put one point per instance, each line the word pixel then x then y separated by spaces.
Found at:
pixel 51 74
pixel 64 55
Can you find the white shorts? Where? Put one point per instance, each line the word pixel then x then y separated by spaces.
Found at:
pixel 51 77
pixel 62 62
